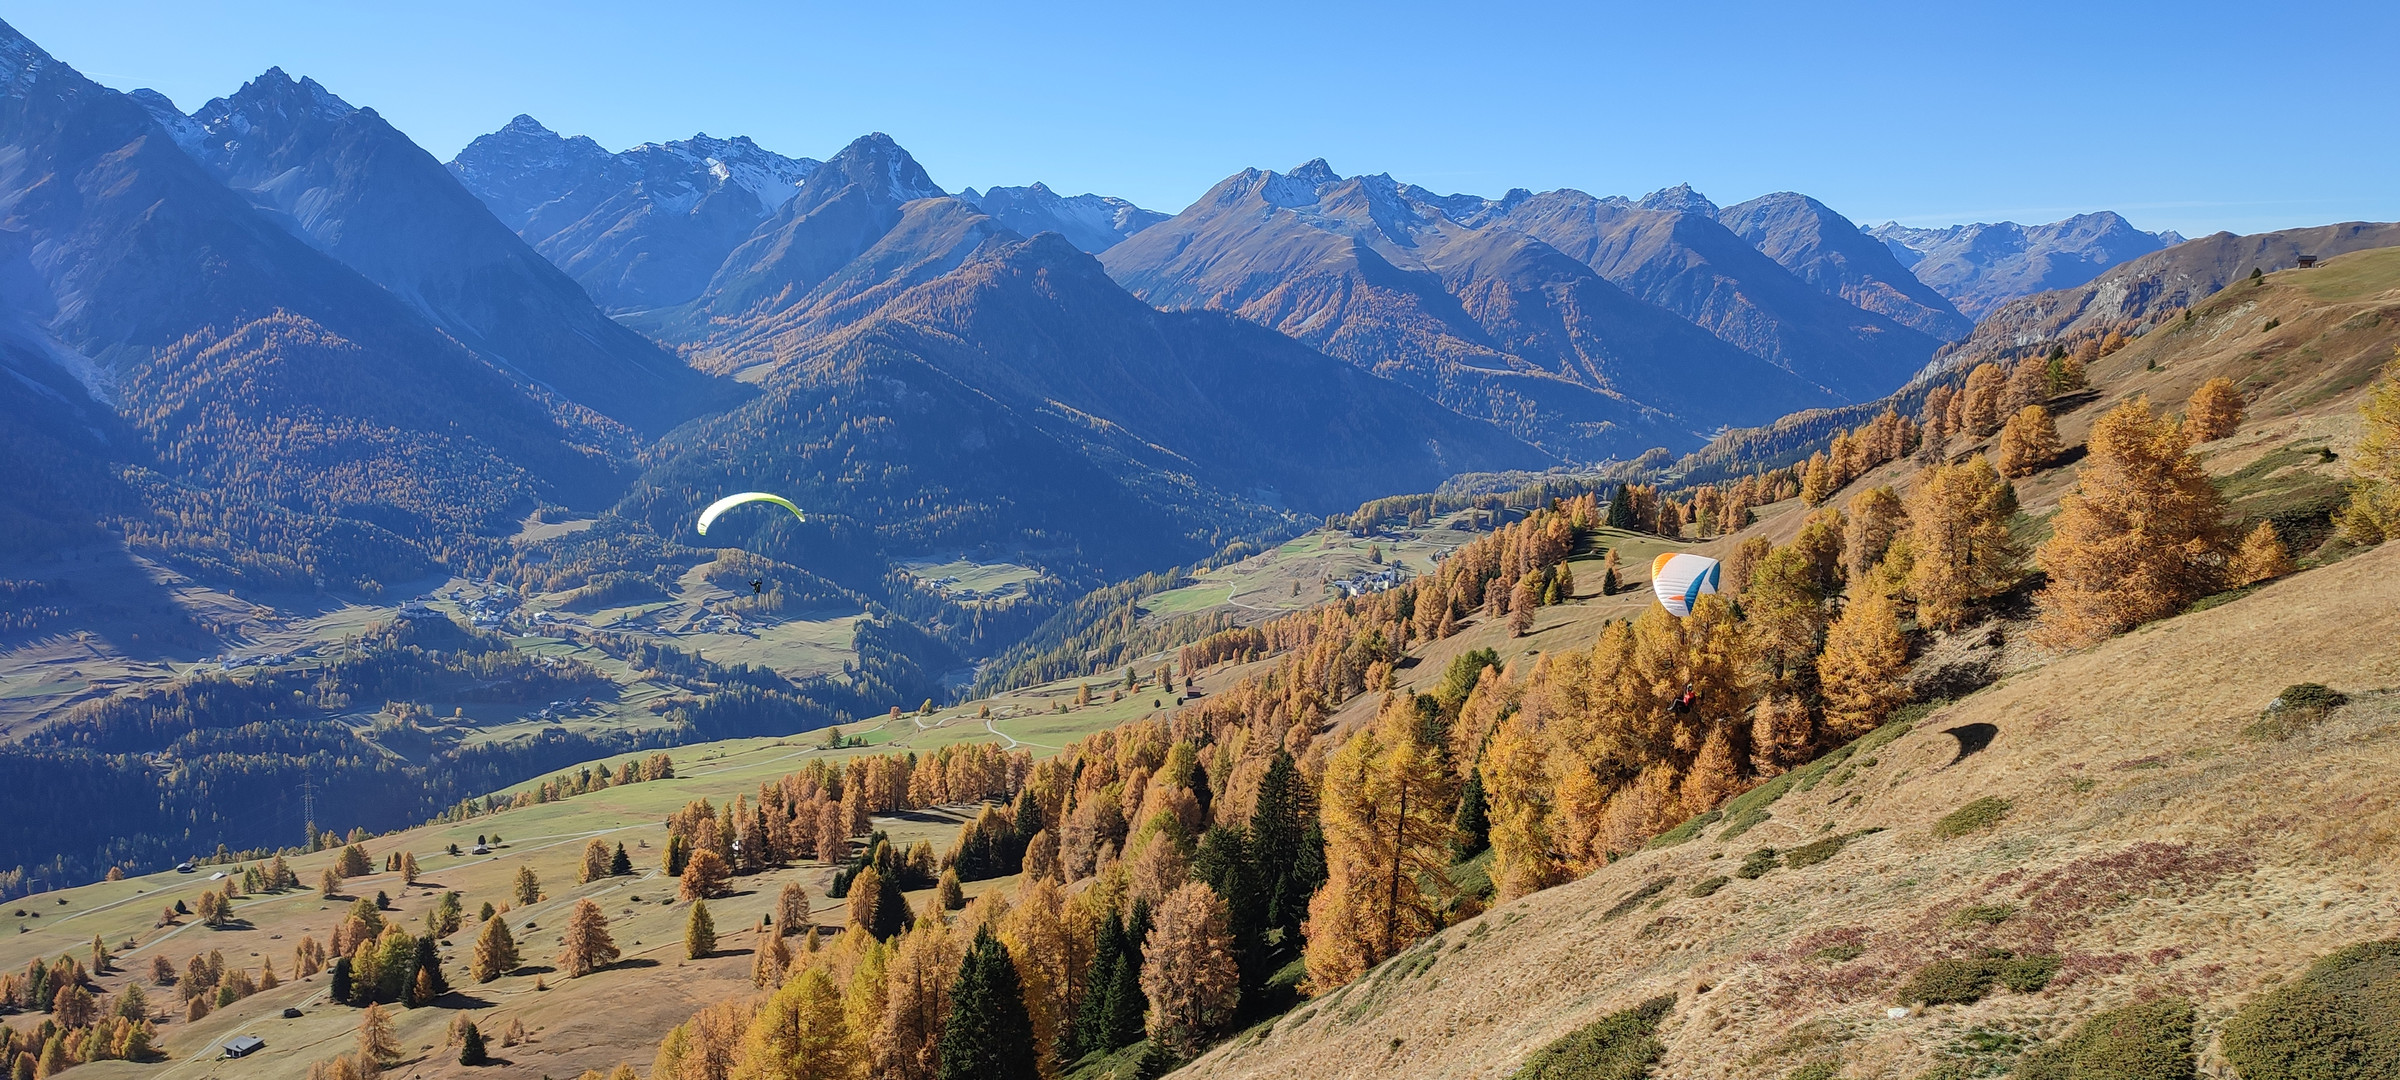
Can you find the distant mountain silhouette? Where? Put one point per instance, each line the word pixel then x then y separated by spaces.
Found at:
pixel 1094 223
pixel 1828 251
pixel 640 229
pixel 1979 267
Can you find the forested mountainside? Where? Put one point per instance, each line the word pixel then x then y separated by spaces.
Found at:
pixel 266 385
pixel 1981 266
pixel 1093 420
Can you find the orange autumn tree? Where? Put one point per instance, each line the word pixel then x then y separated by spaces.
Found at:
pixel 1865 658
pixel 1387 804
pixel 2029 442
pixel 2214 412
pixel 1959 540
pixel 2373 513
pixel 2139 538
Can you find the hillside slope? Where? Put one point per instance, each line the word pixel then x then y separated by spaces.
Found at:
pixel 2152 845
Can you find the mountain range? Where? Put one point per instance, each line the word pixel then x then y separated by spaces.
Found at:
pixel 535 315
pixel 1981 266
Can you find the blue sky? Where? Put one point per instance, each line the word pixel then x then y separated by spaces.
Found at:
pixel 2192 116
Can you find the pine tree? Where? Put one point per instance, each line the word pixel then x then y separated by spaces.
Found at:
pixel 2214 411
pixel 1223 863
pixel 471 1051
pixel 699 932
pixel 429 983
pixel 2139 538
pixel 678 854
pixel 1276 825
pixel 619 864
pixel 1090 1032
pixel 587 947
pixel 1865 662
pixel 342 987
pixel 1188 972
pixel 1472 823
pixel 946 893
pixel 2262 557
pixel 988 1035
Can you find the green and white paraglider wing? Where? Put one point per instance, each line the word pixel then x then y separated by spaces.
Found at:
pixel 709 515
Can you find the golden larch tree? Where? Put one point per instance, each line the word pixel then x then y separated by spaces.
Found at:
pixel 1188 971
pixel 1864 664
pixel 2028 443
pixel 798 1033
pixel 2373 513
pixel 1871 520
pixel 1980 402
pixel 595 860
pixel 587 946
pixel 2214 412
pixel 2262 557
pixel 1386 809
pixel 1959 540
pixel 2140 537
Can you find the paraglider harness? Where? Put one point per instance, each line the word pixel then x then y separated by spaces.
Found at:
pixel 1683 704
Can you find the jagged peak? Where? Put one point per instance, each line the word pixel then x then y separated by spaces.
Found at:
pixel 1680 198
pixel 1314 171
pixel 877 153
pixel 21 61
pixel 524 124
pixel 274 92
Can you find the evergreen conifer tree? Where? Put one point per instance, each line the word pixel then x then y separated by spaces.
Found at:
pixel 1473 820
pixel 620 865
pixel 989 1035
pixel 471 1050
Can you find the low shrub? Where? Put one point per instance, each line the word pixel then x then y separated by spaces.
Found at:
pixel 2151 1040
pixel 1983 915
pixel 1981 814
pixel 2301 706
pixel 1620 1046
pixel 2340 1020
pixel 1961 981
pixel 1758 863
pixel 1949 982
pixel 1635 898
pixel 1816 1070
pixel 1815 853
pixel 1707 887
pixel 1838 954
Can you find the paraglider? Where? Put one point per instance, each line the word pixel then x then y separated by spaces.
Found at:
pixel 730 501
pixel 1679 578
